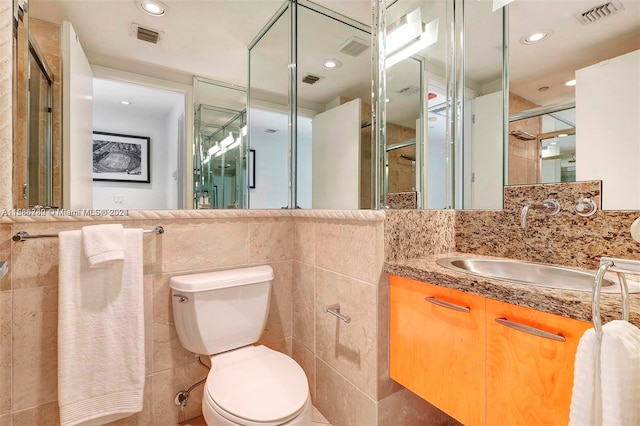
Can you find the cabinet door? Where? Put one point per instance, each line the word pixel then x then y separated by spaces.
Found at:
pixel 436 350
pixel 529 377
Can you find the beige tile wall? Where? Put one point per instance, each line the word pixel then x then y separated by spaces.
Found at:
pixel 317 261
pixel 340 261
pixel 6 103
pixel 28 309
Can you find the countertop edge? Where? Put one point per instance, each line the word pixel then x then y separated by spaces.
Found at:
pixel 567 303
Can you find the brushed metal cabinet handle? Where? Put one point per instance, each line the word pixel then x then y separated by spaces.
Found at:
pixel 447 304
pixel 530 330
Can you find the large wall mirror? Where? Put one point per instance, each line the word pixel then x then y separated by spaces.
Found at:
pixel 574 68
pixel 304 139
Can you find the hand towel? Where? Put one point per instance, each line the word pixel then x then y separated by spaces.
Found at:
pixel 103 244
pixel 606 387
pixel 101 359
pixel 585 400
pixel 620 374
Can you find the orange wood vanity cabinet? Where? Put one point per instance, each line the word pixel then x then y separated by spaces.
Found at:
pixel 474 368
pixel 438 352
pixel 529 378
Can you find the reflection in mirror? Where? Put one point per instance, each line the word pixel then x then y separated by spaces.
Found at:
pixel 219 163
pixel 595 51
pixel 549 140
pixel 328 118
pixel 268 115
pixel 455 167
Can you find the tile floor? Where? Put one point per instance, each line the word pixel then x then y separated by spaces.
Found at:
pixel 317 419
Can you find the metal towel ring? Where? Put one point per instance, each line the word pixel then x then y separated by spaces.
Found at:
pixel 605 265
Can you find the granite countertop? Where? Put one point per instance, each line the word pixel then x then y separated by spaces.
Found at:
pixel 567 303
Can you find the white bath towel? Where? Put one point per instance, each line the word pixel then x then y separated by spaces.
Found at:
pixel 584 399
pixel 103 244
pixel 606 387
pixel 101 360
pixel 620 374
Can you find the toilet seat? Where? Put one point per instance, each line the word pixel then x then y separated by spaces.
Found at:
pixel 255 385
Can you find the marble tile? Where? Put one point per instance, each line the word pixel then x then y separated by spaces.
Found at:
pixel 35 263
pixel 5 254
pixel 304 240
pixel 35 331
pixel 162 304
pixel 165 386
pixel 5 420
pixel 307 361
pixel 303 304
pixel 193 244
pixel 270 240
pixel 196 421
pixel 168 353
pixel 341 402
pixel 144 417
pixel 280 306
pixel 5 352
pixel 6 102
pixel 386 386
pixel 337 241
pixel 350 348
pixel 416 233
pixel 318 418
pixel 42 415
pixel 407 409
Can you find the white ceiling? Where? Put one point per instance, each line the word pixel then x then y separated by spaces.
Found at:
pixel 108 94
pixel 210 38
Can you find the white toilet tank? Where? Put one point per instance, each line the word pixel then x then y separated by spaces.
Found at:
pixel 218 311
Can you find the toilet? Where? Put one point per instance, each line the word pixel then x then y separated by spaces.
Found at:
pixel 222 314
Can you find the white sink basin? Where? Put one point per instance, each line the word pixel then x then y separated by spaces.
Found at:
pixel 536 274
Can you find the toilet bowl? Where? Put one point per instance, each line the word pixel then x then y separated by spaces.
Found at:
pixel 222 314
pixel 256 386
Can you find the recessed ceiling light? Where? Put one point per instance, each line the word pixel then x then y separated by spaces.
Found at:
pixel 536 37
pixel 331 64
pixel 570 83
pixel 125 102
pixel 152 7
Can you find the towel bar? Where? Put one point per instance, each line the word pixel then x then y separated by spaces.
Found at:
pixel 24 235
pixel 620 267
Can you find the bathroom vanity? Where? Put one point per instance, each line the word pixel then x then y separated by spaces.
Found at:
pixel 486 351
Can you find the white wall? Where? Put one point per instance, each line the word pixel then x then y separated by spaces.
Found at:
pixel 608 129
pixel 162 129
pixel 77 152
pixel 272 167
pixel 487 153
pixel 336 157
pixel 171 165
pixel 304 150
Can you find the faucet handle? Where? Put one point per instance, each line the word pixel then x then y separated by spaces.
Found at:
pixel 551 207
pixel 585 206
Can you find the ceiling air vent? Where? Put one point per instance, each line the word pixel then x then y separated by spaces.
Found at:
pixel 354 46
pixel 146 34
pixel 408 91
pixel 598 12
pixel 310 79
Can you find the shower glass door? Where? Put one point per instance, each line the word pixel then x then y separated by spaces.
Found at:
pixel 38 186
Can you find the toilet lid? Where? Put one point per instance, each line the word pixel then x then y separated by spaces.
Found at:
pixel 257 384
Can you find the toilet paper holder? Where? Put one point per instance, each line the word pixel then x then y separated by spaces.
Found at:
pixel 335 311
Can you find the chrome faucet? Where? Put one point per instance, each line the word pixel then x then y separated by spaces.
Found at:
pixel 549 207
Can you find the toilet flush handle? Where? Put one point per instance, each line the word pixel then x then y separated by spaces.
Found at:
pixel 183 299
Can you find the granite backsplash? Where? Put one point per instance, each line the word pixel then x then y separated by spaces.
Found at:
pixel 566 238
